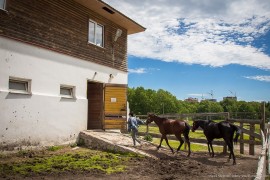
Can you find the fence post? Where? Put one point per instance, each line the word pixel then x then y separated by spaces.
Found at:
pixel 262 125
pixel 241 139
pixel 251 139
pixel 227 115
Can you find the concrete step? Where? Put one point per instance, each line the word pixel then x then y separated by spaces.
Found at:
pixel 113 141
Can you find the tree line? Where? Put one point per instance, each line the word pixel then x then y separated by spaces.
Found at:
pixel 141 101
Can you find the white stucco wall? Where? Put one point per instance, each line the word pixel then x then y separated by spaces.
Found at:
pixel 44 118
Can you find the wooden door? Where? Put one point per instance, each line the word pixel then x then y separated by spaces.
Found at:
pixel 95 105
pixel 115 106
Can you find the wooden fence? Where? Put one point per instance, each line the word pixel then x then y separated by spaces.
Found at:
pixel 264 156
pixel 241 123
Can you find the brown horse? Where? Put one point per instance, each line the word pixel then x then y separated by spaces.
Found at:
pixel 169 126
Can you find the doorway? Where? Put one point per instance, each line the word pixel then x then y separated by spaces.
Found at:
pixel 95 105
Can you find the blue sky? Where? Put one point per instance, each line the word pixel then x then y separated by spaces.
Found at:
pixel 191 48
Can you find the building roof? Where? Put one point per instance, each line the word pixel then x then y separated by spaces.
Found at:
pixel 112 14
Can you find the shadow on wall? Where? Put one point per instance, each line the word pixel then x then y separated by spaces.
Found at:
pixel 68 99
pixel 18 96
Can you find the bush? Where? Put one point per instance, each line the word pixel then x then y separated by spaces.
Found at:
pixel 148 137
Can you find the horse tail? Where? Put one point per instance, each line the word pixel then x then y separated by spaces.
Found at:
pixel 238 132
pixel 187 129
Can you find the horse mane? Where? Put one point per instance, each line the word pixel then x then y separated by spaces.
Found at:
pixel 160 118
pixel 207 121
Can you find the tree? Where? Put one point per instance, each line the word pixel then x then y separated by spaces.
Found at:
pixel 209 106
pixel 187 107
pixel 142 101
pixel 229 105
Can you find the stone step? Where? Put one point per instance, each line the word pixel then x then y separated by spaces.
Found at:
pixel 112 141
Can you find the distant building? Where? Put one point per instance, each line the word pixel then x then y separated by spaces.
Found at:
pixel 212 100
pixel 190 99
pixel 230 97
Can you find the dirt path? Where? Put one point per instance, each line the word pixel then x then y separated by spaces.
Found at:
pixel 177 166
pixel 167 165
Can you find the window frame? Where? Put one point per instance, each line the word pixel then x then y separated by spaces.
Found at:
pixel 71 90
pixel 4 6
pixel 95 33
pixel 26 82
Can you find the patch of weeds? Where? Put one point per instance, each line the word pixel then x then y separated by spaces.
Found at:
pixel 81 142
pixel 54 148
pixel 148 137
pixel 25 153
pixel 2 156
pixel 73 145
pixel 79 160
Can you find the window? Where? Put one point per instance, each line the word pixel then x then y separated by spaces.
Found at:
pixel 67 91
pixel 2 4
pixel 95 34
pixel 19 85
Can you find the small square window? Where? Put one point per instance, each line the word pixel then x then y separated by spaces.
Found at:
pixel 19 85
pixel 2 4
pixel 67 91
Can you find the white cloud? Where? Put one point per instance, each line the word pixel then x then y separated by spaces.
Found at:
pixel 213 33
pixel 142 70
pixel 259 78
pixel 137 71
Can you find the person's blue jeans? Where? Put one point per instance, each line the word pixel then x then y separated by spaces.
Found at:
pixel 134 133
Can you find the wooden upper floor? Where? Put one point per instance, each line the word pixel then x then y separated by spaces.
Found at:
pixel 85 29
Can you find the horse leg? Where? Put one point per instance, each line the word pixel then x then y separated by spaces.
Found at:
pixel 213 154
pixel 208 145
pixel 168 144
pixel 161 139
pixel 188 142
pixel 230 145
pixel 180 140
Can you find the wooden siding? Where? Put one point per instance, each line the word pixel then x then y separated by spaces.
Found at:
pixel 115 123
pixel 119 106
pixel 62 26
pixel 115 111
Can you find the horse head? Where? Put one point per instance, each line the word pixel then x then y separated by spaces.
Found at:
pixel 195 125
pixel 150 118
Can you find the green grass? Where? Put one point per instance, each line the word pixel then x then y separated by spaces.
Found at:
pixel 54 148
pixel 73 160
pixel 194 147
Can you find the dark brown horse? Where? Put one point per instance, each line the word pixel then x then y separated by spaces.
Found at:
pixel 213 130
pixel 169 126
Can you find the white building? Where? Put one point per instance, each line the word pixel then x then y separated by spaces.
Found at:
pixel 59 76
